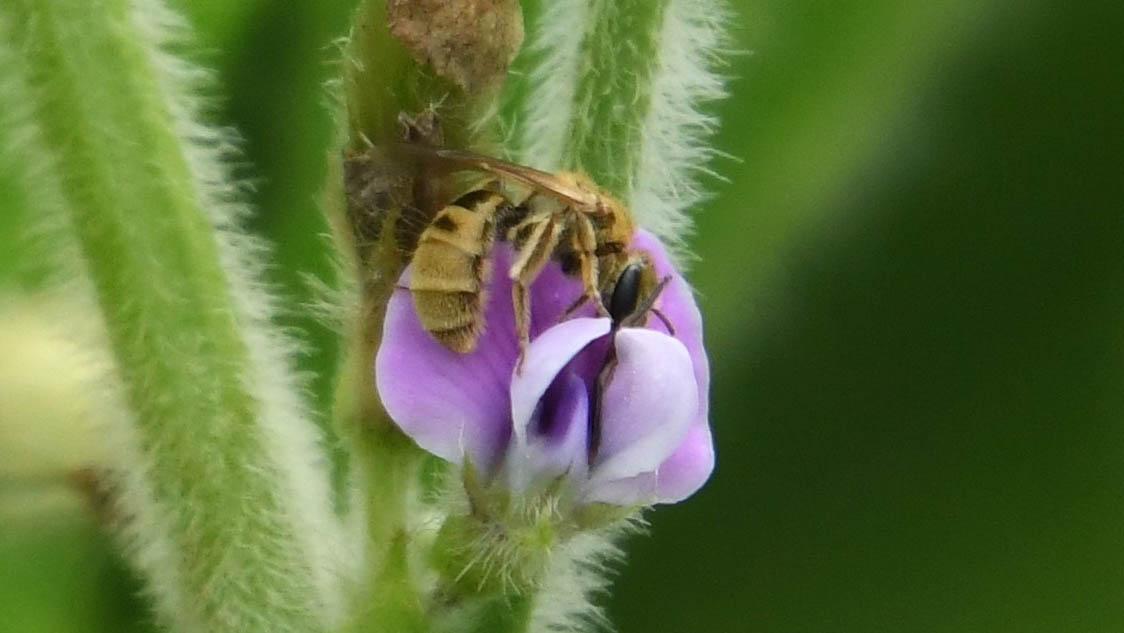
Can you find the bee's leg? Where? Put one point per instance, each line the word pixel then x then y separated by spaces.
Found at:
pixel 527 230
pixel 585 243
pixel 521 301
pixel 525 224
pixel 530 239
pixel 533 254
pixel 579 302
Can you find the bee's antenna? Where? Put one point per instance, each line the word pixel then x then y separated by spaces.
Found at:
pixel 666 322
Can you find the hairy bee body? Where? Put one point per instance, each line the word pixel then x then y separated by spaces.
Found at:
pixel 451 265
pixel 563 217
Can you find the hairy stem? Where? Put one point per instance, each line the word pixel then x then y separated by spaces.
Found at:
pixel 614 90
pixel 597 87
pixel 380 82
pixel 221 479
pixel 398 61
pixel 617 87
pixel 490 571
pixel 502 613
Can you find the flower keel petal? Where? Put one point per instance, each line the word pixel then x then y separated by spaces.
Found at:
pixel 647 407
pixel 546 357
pixel 556 438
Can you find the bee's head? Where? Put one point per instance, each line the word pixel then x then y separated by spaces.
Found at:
pixel 633 292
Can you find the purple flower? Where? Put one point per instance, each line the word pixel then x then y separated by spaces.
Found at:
pixel 650 441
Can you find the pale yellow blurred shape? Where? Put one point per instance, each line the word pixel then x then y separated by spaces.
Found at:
pixel 51 395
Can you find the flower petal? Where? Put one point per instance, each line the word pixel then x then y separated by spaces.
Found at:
pixel 648 406
pixel 552 293
pixel 677 303
pixel 638 490
pixel 688 468
pixel 451 404
pixel 546 357
pixel 677 478
pixel 556 438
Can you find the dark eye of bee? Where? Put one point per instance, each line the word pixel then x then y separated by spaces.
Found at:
pixel 626 293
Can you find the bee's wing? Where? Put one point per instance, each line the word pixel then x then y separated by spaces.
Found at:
pixel 461 159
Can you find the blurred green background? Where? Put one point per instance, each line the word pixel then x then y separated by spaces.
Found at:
pixel 914 288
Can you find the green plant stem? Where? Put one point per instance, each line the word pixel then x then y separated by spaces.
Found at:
pixel 377 70
pixel 611 101
pixel 380 82
pixel 593 85
pixel 491 613
pixel 395 604
pixel 385 466
pixel 215 520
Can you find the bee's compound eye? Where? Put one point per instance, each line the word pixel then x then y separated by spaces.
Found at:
pixel 626 293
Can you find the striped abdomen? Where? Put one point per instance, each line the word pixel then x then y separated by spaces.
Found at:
pixel 450 271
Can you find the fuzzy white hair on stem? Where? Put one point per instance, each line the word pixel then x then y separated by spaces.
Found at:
pixel 143 525
pixel 557 48
pixel 674 149
pixel 217 556
pixel 292 439
pixel 656 84
pixel 579 575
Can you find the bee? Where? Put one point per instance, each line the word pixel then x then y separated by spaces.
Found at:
pixel 546 217
pixel 452 266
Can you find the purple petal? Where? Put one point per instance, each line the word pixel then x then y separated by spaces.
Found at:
pixel 556 436
pixel 688 468
pixel 547 355
pixel 647 408
pixel 451 404
pixel 550 404
pixel 678 477
pixel 552 293
pixel 677 303
pixel 638 490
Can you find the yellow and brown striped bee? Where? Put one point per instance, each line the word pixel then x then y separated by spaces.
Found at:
pixel 451 268
pixel 562 217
